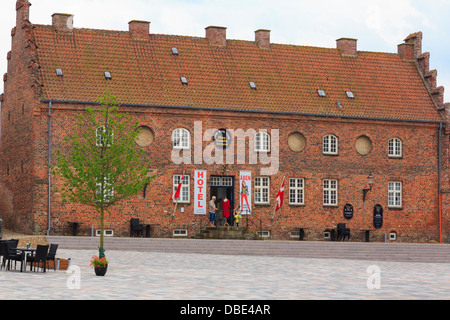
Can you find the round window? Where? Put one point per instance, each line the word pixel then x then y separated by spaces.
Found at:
pixel 145 136
pixel 363 145
pixel 296 141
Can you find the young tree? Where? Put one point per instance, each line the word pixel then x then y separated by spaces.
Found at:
pixel 103 165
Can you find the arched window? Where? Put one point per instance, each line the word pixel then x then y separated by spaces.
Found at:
pixel 103 138
pixel 395 147
pixel 181 139
pixel 262 142
pixel 330 144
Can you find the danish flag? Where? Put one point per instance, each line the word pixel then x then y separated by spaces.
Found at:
pixel 280 196
pixel 176 195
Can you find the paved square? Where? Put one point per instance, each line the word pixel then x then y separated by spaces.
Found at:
pixel 173 276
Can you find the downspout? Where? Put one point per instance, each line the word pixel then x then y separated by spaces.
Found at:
pixel 49 162
pixel 440 189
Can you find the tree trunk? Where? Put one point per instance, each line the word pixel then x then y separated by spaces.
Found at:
pixel 101 251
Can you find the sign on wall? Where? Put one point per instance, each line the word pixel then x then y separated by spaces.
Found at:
pixel 245 191
pixel 378 216
pixel 200 192
pixel 348 211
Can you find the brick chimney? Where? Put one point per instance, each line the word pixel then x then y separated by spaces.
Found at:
pixel 217 36
pixel 139 30
pixel 406 51
pixel 416 40
pixel 62 22
pixel 347 46
pixel 262 38
pixel 23 11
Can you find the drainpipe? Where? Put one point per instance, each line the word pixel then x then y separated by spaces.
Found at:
pixel 49 161
pixel 440 189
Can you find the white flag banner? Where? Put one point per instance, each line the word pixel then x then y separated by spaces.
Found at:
pixel 245 192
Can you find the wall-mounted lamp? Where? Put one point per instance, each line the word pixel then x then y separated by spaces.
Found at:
pixel 370 178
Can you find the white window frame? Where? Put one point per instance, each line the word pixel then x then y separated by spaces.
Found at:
pixel 185 193
pixel 181 138
pixel 330 144
pixel 395 148
pixel 108 193
pixel 297 191
pixel 330 192
pixel 99 137
pixel 262 142
pixel 395 194
pixel 262 190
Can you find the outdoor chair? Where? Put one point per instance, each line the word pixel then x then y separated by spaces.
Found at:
pixel 342 232
pixel 136 228
pixel 40 256
pixel 10 253
pixel 51 256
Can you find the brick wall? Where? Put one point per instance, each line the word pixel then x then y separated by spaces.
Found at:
pixel 417 170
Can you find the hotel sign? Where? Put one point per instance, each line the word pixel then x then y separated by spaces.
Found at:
pixel 200 192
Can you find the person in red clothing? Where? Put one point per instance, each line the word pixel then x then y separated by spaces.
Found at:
pixel 226 210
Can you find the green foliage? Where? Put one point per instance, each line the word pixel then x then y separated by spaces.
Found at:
pixel 103 165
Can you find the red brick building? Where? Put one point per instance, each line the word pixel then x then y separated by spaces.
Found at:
pixel 322 118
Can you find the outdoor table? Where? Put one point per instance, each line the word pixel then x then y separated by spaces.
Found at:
pixel 75 225
pixel 23 252
pixel 302 233
pixel 367 233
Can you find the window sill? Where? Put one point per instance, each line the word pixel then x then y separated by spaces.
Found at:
pixel 330 205
pixel 395 208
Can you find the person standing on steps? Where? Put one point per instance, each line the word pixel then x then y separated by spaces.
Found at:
pixel 237 215
pixel 226 210
pixel 212 211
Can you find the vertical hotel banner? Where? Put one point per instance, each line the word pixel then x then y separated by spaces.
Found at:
pixel 245 192
pixel 200 192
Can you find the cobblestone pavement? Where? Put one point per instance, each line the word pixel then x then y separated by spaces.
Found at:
pixel 173 276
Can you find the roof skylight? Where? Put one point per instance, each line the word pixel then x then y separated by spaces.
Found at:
pixel 174 51
pixel 350 94
pixel 59 72
pixel 108 75
pixel 183 80
pixel 321 93
pixel 252 85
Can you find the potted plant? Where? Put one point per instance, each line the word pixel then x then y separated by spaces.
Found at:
pixel 100 265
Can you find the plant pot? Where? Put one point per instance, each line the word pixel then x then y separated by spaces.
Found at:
pixel 100 271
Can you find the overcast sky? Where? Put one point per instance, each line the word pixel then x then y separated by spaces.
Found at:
pixel 379 25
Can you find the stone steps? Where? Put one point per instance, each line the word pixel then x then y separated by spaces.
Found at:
pixel 232 233
pixel 402 252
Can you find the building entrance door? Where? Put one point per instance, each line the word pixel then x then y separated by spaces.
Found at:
pixel 221 188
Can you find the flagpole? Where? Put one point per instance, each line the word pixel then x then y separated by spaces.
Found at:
pixel 176 201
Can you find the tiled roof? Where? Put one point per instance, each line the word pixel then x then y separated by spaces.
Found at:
pixel 287 77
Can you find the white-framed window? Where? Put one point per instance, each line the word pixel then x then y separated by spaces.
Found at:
pixel 180 232
pixel 108 189
pixel 395 194
pixel 102 138
pixel 330 192
pixel 262 142
pixel 330 144
pixel 296 191
pixel 185 188
pixel 395 147
pixel 181 139
pixel 262 190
